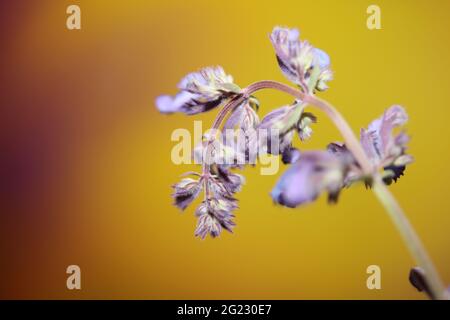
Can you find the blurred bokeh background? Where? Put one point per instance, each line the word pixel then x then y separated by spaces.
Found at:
pixel 85 156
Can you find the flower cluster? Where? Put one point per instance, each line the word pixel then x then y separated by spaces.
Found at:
pixel 286 121
pixel 307 67
pixel 315 172
pixel 300 62
pixel 199 92
pixel 386 151
pixel 215 211
pixel 310 173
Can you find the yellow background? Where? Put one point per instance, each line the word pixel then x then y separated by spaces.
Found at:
pixel 82 104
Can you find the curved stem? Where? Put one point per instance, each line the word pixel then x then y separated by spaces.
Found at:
pixel 351 141
pixel 410 238
pixel 228 107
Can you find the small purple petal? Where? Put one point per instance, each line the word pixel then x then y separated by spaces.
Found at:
pixel 165 104
pixel 378 141
pixel 293 34
pixel 323 58
pixel 186 191
pixel 314 173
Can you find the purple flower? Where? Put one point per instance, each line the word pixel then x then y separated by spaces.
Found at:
pixel 231 181
pixel 244 116
pixel 378 141
pixel 299 61
pixel 212 151
pixel 213 215
pixel 215 212
pixel 223 184
pixel 313 173
pixel 240 129
pixel 385 150
pixel 185 192
pixel 282 123
pixel 243 137
pixel 199 92
pixel 207 223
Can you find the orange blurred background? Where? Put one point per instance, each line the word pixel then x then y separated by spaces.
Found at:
pixel 86 168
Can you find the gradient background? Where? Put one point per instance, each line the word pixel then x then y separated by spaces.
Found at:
pixel 85 156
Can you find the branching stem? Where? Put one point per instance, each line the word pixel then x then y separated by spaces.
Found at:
pixel 410 238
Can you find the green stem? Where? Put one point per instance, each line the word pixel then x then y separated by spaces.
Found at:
pixel 410 238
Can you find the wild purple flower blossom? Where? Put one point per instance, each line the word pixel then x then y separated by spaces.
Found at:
pixel 287 120
pixel 215 211
pixel 185 192
pixel 313 173
pixel 386 151
pixel 377 159
pixel 299 61
pixel 310 173
pixel 213 215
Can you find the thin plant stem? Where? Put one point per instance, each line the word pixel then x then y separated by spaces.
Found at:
pixel 227 108
pixel 409 236
pixel 350 140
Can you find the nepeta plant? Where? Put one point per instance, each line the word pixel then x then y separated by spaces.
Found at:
pixel 377 159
